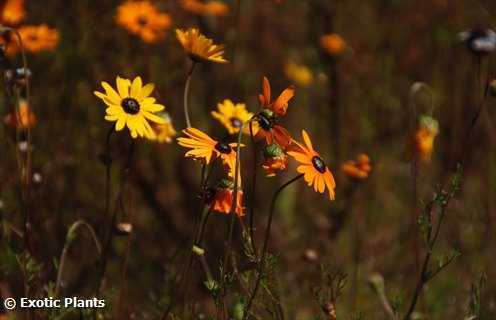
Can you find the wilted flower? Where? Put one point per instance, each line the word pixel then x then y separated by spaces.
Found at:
pixel 223 199
pixel 200 48
pixel 425 136
pixel 21 118
pixel 233 116
pixel 359 168
pixel 142 18
pixel 12 12
pixel 213 8
pixel 299 74
pixel 479 41
pixel 131 106
pixel 275 159
pixel 333 44
pixel 164 132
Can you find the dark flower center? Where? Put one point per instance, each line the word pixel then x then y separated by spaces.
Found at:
pixel 130 105
pixel 235 122
pixel 318 164
pixel 265 122
pixel 223 148
pixel 142 21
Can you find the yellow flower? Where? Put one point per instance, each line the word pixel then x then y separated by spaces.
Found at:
pixel 199 47
pixel 213 8
pixel 332 44
pixel 164 132
pixel 142 18
pixel 299 74
pixel 425 136
pixel 232 116
pixel 12 12
pixel 131 106
pixel 35 39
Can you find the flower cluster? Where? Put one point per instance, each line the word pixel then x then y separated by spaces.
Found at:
pixel 359 168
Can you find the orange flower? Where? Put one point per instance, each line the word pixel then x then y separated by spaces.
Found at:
pixel 425 136
pixel 205 148
pixel 275 159
pixel 223 199
pixel 358 169
pixel 271 110
pixel 332 44
pixel 12 12
pixel 313 167
pixel 213 8
pixel 142 18
pixel 23 118
pixel 36 39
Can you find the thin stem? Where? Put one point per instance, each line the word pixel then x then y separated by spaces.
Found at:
pixel 186 94
pixel 253 188
pixel 266 241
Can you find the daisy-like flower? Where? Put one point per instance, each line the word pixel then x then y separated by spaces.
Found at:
pixel 213 8
pixel 22 118
pixel 270 111
pixel 333 44
pixel 142 18
pixel 299 74
pixel 35 39
pixel 200 48
pixel 313 167
pixel 425 136
pixel 479 41
pixel 275 159
pixel 164 132
pixel 12 12
pixel 204 148
pixel 223 198
pixel 233 116
pixel 359 168
pixel 131 106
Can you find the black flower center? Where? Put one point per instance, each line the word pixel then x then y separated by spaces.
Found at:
pixel 142 21
pixel 235 122
pixel 130 105
pixel 223 148
pixel 319 164
pixel 265 122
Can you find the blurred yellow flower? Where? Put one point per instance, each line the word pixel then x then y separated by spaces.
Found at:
pixel 213 8
pixel 359 169
pixel 425 136
pixel 199 47
pixel 299 74
pixel 131 106
pixel 142 18
pixel 35 39
pixel 233 116
pixel 333 44
pixel 22 118
pixel 12 12
pixel 163 133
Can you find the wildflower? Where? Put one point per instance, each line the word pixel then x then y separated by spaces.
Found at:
pixel 313 167
pixel 22 118
pixel 204 148
pixel 143 19
pixel 164 132
pixel 358 169
pixel 233 116
pixel 333 44
pixel 199 47
pixel 36 39
pixel 131 106
pixel 213 8
pixel 300 74
pixel 425 136
pixel 223 199
pixel 271 110
pixel 12 12
pixel 479 41
pixel 275 159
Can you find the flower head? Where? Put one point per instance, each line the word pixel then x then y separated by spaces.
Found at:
pixel 275 159
pixel 131 106
pixel 479 41
pixel 333 44
pixel 142 18
pixel 199 47
pixel 12 12
pixel 270 111
pixel 204 148
pixel 425 136
pixel 313 167
pixel 163 133
pixel 299 74
pixel 22 118
pixel 35 39
pixel 223 198
pixel 233 116
pixel 359 168
pixel 212 8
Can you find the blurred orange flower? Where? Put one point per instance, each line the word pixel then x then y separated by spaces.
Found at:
pixel 224 197
pixel 300 74
pixel 359 169
pixel 424 138
pixel 313 167
pixel 275 159
pixel 35 39
pixel 213 8
pixel 142 18
pixel 12 12
pixel 22 118
pixel 200 48
pixel 332 43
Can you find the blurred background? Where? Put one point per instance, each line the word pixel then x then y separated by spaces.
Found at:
pixel 353 95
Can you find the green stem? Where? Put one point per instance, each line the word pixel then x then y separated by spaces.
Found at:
pixel 186 94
